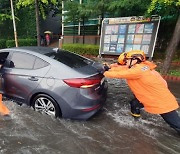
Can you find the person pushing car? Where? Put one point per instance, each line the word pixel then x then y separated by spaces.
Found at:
pixel 3 109
pixel 149 88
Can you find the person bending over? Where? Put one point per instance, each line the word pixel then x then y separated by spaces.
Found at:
pixel 149 88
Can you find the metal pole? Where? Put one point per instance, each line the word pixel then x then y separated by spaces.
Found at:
pixel 37 22
pixel 79 27
pixel 155 38
pixel 14 24
pixel 62 18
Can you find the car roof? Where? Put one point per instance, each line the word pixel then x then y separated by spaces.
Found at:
pixel 41 50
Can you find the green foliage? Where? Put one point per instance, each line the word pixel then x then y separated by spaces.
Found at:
pixel 174 72
pixel 100 7
pixel 45 6
pixel 164 7
pixel 21 42
pixel 84 11
pixel 72 11
pixel 82 49
pixel 26 26
pixel 2 43
pixel 5 12
pixel 6 30
pixel 128 7
pixel 4 17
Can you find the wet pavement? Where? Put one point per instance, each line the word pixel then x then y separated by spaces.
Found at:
pixel 111 131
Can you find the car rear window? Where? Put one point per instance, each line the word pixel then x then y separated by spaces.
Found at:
pixel 70 59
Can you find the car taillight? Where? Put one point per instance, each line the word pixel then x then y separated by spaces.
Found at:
pixel 82 82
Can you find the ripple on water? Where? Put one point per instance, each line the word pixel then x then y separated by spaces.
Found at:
pixel 120 110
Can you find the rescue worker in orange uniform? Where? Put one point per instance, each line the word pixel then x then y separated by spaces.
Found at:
pixel 149 88
pixel 3 109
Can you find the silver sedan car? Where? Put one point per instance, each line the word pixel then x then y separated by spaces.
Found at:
pixel 53 81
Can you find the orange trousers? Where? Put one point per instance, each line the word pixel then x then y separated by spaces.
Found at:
pixel 3 109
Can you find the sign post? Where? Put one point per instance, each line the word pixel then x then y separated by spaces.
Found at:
pixel 129 33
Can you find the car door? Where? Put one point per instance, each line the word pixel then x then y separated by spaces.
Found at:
pixel 24 74
pixel 3 57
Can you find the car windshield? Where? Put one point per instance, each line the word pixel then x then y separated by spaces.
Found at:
pixel 70 59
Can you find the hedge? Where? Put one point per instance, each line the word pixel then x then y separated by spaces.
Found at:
pixel 2 43
pixel 82 49
pixel 21 42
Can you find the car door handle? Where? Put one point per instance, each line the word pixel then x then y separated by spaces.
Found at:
pixel 32 78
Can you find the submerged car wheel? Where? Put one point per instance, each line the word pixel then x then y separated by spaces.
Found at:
pixel 45 104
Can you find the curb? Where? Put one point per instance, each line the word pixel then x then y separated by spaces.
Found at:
pixel 176 63
pixel 172 78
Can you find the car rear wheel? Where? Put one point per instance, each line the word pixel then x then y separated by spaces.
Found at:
pixel 45 104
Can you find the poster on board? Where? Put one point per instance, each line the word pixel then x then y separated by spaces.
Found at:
pixel 129 33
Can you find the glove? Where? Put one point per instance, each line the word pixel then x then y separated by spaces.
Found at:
pixel 106 67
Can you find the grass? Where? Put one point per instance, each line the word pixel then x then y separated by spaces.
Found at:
pixel 174 73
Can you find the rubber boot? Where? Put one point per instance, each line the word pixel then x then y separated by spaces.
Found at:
pixel 135 108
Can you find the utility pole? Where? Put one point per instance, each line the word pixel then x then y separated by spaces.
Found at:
pixel 79 26
pixel 14 24
pixel 62 18
pixel 37 22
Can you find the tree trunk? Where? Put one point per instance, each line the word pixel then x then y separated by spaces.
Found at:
pixel 171 48
pixel 37 22
pixel 83 30
pixel 102 17
pixel 74 29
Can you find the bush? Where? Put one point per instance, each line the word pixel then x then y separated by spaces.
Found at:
pixel 82 49
pixel 174 72
pixel 21 42
pixel 2 43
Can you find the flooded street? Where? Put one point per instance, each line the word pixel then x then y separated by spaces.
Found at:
pixel 111 131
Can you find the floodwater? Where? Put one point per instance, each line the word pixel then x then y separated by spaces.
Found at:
pixel 111 131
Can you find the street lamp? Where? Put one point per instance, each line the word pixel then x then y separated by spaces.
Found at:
pixel 14 24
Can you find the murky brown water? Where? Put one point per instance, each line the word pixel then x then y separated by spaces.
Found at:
pixel 111 131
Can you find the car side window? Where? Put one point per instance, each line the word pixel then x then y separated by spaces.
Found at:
pixel 39 63
pixel 23 60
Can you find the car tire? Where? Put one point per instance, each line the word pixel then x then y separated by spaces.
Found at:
pixel 45 104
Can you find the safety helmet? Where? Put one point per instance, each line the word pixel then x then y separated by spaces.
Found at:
pixel 136 54
pixel 121 59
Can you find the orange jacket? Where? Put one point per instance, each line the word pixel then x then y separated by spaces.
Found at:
pixel 3 109
pixel 147 85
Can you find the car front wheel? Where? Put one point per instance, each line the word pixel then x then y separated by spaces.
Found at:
pixel 45 104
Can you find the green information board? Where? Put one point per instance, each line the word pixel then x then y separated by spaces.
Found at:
pixel 129 33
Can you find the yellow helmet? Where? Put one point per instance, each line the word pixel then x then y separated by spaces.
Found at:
pixel 136 54
pixel 133 54
pixel 121 59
